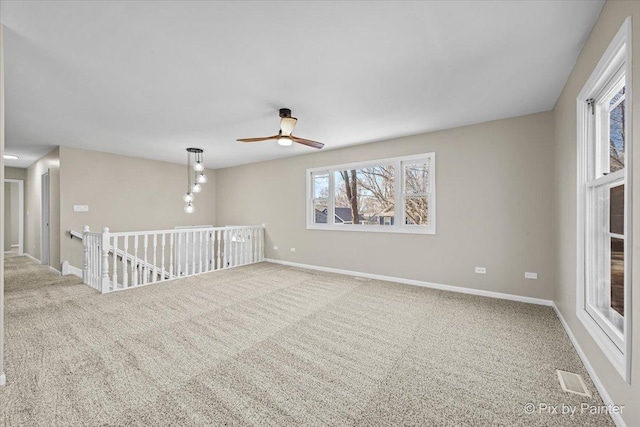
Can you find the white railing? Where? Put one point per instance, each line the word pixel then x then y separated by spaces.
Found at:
pixel 117 261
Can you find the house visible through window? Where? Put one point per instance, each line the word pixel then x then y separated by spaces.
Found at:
pixel 395 195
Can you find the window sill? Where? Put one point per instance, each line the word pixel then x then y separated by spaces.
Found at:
pixel 611 351
pixel 375 229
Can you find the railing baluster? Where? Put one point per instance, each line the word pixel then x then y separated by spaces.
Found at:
pixel 186 254
pixel 218 237
pixel 171 238
pixel 155 258
pixel 96 262
pixel 91 261
pixel 134 266
pixel 207 258
pixel 145 266
pixel 200 243
pixel 125 263
pixel 85 253
pixel 92 264
pixel 193 252
pixel 243 244
pixel 115 263
pixel 179 254
pixel 254 248
pixel 247 247
pixel 256 244
pixel 227 249
pixel 214 255
pixel 248 251
pixel 104 273
pixel 162 277
pixel 237 248
pixel 232 249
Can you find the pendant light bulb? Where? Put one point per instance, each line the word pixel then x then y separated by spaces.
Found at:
pixel 198 166
pixel 197 188
pixel 189 208
pixel 188 197
pixel 202 178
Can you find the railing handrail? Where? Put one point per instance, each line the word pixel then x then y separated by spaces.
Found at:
pixel 74 233
pixel 181 230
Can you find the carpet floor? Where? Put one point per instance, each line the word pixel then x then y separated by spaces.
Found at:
pixel 268 345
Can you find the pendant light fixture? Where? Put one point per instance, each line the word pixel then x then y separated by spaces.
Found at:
pixel 195 168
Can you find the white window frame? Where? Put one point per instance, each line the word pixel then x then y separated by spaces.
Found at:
pixel 399 226
pixel 615 61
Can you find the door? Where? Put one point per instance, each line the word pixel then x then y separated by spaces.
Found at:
pixel 16 201
pixel 44 239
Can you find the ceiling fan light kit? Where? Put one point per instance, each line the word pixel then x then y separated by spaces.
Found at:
pixel 285 136
pixel 285 141
pixel 195 168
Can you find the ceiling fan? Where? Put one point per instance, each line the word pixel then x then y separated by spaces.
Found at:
pixel 284 137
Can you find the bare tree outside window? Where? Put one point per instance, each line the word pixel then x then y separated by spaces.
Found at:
pixel 616 131
pixel 367 193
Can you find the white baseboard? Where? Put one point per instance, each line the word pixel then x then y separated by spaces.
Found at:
pixel 439 286
pixel 617 418
pixel 68 269
pixel 3 379
pixel 32 258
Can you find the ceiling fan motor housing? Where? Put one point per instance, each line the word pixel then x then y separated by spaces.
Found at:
pixel 285 112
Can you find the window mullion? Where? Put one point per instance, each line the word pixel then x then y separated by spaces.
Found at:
pixel 331 199
pixel 398 196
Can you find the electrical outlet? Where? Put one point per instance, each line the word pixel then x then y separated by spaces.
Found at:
pixel 530 275
pixel 481 270
pixel 81 208
pixel 275 248
pixel 293 249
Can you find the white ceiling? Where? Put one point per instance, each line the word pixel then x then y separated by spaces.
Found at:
pixel 149 79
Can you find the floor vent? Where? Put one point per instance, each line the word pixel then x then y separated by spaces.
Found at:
pixel 572 383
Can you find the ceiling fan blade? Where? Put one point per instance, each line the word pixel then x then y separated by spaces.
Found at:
pixel 287 124
pixel 307 142
pixel 264 138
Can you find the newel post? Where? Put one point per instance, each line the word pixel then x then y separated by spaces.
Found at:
pixel 104 281
pixel 85 244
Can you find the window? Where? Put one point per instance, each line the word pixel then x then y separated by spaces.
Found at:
pixel 603 192
pixel 391 195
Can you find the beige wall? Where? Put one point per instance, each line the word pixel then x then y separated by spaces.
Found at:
pixel 611 18
pixel 33 207
pixel 1 201
pixel 15 214
pixel 7 216
pixel 125 194
pixel 15 173
pixel 494 185
pixel 19 174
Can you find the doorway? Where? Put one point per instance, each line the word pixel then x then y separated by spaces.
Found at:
pixel 44 228
pixel 14 215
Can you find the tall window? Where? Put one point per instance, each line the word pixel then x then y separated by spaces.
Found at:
pixel 604 163
pixel 391 195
